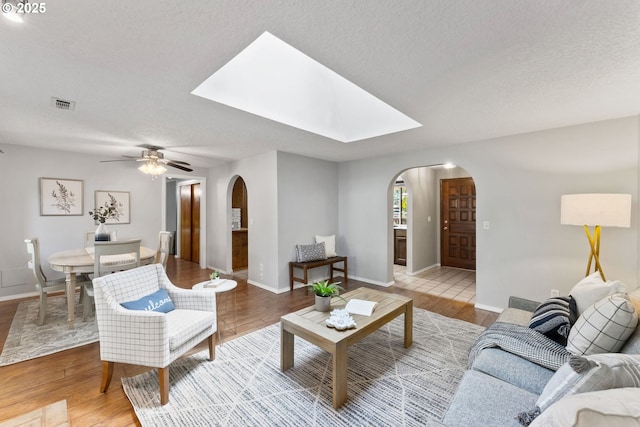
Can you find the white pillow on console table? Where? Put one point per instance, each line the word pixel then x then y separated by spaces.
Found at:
pixel 592 289
pixel 329 244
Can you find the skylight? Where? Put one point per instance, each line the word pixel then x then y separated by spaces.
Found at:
pixel 271 79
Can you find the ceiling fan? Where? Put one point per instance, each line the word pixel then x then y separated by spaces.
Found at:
pixel 153 156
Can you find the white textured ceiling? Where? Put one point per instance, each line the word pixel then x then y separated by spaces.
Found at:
pixel 467 70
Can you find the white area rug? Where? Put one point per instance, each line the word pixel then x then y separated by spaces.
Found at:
pixel 27 340
pixel 388 385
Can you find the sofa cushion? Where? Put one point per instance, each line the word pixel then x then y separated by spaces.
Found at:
pixel 618 407
pixel 482 400
pixel 512 369
pixel 554 318
pixel 515 316
pixel 604 327
pixel 592 289
pixel 588 373
pixel 183 325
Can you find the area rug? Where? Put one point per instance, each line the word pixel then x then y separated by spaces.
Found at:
pixel 388 385
pixel 27 340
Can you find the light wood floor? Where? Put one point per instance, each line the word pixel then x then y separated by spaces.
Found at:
pixel 75 374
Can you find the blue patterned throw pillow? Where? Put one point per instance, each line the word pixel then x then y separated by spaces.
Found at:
pixel 554 318
pixel 315 252
pixel 157 301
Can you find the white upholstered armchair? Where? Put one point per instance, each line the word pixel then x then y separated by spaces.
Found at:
pixel 150 338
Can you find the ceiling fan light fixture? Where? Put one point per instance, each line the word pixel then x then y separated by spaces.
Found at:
pixel 12 11
pixel 152 168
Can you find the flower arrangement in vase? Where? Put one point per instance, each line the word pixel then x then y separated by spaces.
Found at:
pixel 101 214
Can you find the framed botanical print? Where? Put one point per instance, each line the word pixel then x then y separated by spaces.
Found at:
pixel 61 196
pixel 116 204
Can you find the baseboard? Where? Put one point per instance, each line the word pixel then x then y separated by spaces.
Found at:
pixel 219 269
pixel 20 296
pixel 373 282
pixel 267 288
pixel 424 269
pixel 488 308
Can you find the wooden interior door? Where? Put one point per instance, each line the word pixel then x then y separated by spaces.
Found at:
pixel 240 236
pixel 190 222
pixel 458 223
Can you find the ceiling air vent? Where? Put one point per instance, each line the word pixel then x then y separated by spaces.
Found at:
pixel 63 104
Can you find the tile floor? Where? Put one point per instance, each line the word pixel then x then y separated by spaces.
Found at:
pixel 446 282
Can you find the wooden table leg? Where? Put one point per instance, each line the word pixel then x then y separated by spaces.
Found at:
pixel 286 349
pixel 346 271
pixel 408 325
pixel 340 374
pixel 290 276
pixel 71 298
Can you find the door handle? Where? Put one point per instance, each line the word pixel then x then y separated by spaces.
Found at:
pixel 446 228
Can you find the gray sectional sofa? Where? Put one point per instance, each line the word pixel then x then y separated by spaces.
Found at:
pixel 500 385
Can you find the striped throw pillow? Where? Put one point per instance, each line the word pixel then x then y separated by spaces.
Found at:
pixel 554 318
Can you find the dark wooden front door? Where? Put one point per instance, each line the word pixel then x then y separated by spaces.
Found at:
pixel 458 223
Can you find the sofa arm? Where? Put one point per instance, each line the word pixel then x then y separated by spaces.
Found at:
pixel 523 304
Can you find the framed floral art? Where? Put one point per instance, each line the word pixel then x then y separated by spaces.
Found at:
pixel 115 205
pixel 61 196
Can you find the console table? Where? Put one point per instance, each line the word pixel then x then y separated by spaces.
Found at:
pixel 305 266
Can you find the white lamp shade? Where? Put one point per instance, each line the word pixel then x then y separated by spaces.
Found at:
pixel 606 210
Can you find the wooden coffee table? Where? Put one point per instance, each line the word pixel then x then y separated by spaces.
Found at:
pixel 309 325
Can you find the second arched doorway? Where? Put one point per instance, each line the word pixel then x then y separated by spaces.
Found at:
pixel 239 226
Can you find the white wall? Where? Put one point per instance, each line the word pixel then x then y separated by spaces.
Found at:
pixel 423 205
pixel 20 170
pixel 307 206
pixel 260 176
pixel 519 181
pixel 290 199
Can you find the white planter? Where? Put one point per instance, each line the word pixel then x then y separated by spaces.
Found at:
pixel 323 303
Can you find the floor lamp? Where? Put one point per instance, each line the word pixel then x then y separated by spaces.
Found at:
pixel 596 210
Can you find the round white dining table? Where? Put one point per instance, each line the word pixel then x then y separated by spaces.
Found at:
pixel 77 261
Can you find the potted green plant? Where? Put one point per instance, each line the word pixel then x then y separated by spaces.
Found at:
pixel 214 277
pixel 324 292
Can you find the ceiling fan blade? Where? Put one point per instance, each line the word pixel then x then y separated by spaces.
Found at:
pixel 120 160
pixel 180 162
pixel 175 165
pixel 150 147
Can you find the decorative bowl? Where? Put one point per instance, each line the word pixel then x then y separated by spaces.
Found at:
pixel 341 320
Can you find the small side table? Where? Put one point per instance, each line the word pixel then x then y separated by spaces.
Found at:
pixel 226 289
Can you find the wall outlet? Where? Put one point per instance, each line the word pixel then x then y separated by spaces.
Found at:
pixel 555 293
pixel 486 225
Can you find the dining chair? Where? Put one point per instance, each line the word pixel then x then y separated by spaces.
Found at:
pixel 109 257
pixel 44 285
pixel 90 237
pixel 165 238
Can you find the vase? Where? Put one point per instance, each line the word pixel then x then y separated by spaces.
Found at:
pixel 102 234
pixel 323 303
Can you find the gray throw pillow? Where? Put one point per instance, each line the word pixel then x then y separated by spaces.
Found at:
pixel 305 253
